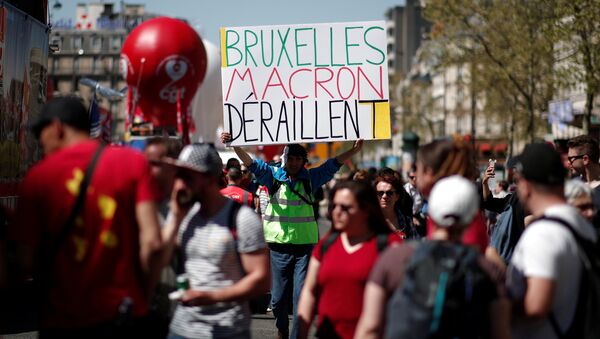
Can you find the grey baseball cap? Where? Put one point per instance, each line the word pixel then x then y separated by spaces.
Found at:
pixel 199 157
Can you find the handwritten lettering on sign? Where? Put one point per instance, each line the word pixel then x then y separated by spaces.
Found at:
pixel 305 83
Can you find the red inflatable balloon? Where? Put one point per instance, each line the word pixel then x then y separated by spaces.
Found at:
pixel 161 59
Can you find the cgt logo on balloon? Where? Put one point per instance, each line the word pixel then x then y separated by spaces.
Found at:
pixel 175 67
pixel 164 61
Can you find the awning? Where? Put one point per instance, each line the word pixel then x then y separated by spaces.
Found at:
pixel 501 148
pixel 485 147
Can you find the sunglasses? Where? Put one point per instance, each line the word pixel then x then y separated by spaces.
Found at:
pixel 585 207
pixel 575 157
pixel 244 171
pixel 345 208
pixel 387 193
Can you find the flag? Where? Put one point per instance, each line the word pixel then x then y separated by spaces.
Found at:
pixel 95 128
pixel 106 126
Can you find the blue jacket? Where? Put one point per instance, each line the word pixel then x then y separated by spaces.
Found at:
pixel 318 176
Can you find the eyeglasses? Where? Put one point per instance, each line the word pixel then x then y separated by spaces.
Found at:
pixel 575 157
pixel 345 208
pixel 585 207
pixel 412 177
pixel 244 171
pixel 388 193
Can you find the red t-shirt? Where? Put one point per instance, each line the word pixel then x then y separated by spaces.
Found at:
pixel 475 234
pixel 238 194
pixel 341 283
pixel 97 265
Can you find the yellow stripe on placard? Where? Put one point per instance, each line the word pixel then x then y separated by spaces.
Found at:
pixel 383 129
pixel 380 126
pixel 223 54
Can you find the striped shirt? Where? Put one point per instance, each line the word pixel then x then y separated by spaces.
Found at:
pixel 211 262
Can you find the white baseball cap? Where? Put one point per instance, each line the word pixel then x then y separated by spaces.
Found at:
pixel 453 201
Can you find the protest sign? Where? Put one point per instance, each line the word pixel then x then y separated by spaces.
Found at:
pixel 305 83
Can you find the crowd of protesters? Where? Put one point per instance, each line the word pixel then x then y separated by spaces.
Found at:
pixel 174 244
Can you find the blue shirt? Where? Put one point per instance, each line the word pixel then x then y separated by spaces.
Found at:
pixel 318 176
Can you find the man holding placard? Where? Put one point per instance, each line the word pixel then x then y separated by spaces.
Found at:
pixel 307 83
pixel 289 224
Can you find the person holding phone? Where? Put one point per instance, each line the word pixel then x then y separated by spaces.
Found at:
pixel 223 249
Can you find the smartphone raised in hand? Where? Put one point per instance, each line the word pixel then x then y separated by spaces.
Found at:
pixel 184 198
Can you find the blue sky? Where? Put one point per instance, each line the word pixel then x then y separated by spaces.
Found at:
pixel 209 16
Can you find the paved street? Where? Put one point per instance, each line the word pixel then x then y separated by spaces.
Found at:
pixel 263 327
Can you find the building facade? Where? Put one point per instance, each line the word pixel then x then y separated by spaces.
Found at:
pixel 90 47
pixel 406 30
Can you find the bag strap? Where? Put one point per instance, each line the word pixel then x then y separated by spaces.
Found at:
pixel 79 202
pixel 328 242
pixel 305 199
pixel 232 225
pixel 578 239
pixel 382 242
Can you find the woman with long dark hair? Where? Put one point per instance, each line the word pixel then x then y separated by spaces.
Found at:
pixel 395 203
pixel 342 260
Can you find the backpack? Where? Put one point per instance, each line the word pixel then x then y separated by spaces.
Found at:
pixel 444 294
pixel 585 321
pixel 508 229
pixel 231 225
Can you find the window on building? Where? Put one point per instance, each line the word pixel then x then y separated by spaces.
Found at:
pixel 116 42
pixel 56 43
pixel 97 66
pixel 77 43
pixel 96 43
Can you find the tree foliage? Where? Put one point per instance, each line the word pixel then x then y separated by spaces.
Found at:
pixel 510 44
pixel 577 31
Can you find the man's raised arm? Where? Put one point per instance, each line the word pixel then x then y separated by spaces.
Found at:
pixel 342 158
pixel 245 157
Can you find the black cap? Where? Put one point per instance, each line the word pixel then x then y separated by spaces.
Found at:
pixel 68 110
pixel 540 163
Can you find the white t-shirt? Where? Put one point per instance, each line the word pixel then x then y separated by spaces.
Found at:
pixel 548 250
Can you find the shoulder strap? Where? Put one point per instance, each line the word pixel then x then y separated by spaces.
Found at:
pixel 328 242
pixel 305 199
pixel 307 187
pixel 77 207
pixel 232 225
pixel 382 242
pixel 245 199
pixel 232 221
pixel 551 317
pixel 80 200
pixel 274 187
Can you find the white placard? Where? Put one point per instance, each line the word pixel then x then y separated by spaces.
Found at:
pixel 305 83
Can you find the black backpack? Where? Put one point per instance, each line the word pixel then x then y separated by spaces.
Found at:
pixel 586 322
pixel 444 294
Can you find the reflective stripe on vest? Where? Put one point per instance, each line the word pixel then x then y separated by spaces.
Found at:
pixel 288 219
